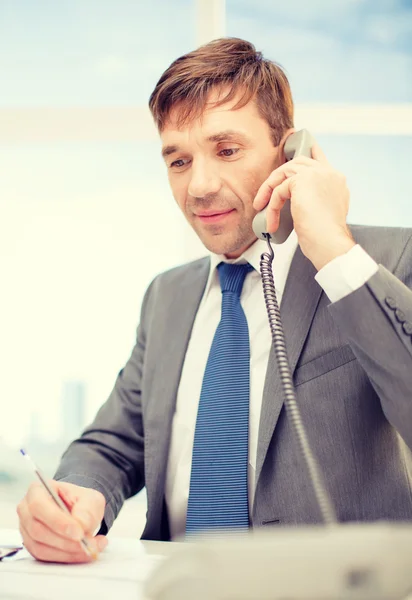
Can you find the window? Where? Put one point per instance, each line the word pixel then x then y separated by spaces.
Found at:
pixel 89 218
pixel 350 69
pixel 88 211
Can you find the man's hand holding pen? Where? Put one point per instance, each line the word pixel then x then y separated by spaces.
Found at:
pixel 50 534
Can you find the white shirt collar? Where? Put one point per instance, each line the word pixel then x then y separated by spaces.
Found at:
pixel 281 262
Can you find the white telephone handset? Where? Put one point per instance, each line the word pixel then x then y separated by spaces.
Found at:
pixel 298 143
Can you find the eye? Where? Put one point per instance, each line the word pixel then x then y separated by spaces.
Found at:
pixel 179 163
pixel 228 152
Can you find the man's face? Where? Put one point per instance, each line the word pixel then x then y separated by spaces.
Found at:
pixel 216 165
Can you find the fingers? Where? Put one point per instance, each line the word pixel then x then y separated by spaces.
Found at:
pixel 36 531
pixel 67 497
pixel 49 533
pixel 39 505
pixel 286 170
pixel 277 177
pixel 89 510
pixel 278 198
pixel 45 552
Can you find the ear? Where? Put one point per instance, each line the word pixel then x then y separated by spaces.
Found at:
pixel 281 146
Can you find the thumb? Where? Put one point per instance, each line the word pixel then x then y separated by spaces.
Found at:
pixel 89 511
pixel 101 542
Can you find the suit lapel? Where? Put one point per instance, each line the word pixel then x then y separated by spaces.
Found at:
pixel 180 301
pixel 299 303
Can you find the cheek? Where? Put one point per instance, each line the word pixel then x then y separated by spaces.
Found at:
pixel 248 185
pixel 261 171
pixel 179 191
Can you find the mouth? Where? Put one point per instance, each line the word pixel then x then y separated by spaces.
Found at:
pixel 214 216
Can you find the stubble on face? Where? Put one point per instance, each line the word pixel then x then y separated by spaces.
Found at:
pixel 232 236
pixel 230 243
pixel 239 183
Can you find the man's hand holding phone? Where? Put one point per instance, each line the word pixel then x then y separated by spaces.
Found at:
pixel 319 205
pixel 51 535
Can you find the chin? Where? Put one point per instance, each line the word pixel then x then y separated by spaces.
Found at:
pixel 227 245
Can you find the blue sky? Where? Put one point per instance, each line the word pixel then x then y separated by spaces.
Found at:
pixel 112 52
pixel 336 50
pixel 89 52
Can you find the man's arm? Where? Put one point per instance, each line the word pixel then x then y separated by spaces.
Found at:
pixel 109 456
pixel 376 319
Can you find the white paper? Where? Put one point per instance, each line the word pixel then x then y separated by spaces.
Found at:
pixel 119 572
pixel 10 537
pixel 20 555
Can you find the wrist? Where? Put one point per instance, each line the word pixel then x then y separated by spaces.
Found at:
pixel 331 249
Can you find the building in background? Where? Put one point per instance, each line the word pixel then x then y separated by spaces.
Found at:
pixel 45 452
pixel 73 410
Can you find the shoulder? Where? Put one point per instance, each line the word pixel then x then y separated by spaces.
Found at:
pixel 181 273
pixel 386 245
pixel 180 276
pixel 180 287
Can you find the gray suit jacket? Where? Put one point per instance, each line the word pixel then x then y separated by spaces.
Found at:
pixel 352 365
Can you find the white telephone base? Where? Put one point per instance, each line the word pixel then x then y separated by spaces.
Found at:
pixel 343 562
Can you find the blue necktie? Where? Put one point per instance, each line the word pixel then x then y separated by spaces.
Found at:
pixel 218 496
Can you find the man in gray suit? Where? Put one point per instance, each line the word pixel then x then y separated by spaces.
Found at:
pixel 223 114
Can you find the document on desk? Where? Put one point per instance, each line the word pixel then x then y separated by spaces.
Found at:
pixel 120 571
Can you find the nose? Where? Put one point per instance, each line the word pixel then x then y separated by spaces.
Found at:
pixel 204 180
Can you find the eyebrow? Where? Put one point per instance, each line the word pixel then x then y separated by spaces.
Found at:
pixel 229 135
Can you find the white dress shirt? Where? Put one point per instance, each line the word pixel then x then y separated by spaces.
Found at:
pixel 340 277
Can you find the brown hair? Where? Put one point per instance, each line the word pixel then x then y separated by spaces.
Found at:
pixel 223 62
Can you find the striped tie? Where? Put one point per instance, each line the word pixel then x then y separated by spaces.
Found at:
pixel 218 497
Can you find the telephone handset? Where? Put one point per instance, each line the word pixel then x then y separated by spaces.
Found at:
pixel 298 143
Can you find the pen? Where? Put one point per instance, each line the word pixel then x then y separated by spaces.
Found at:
pixel 57 500
pixel 9 551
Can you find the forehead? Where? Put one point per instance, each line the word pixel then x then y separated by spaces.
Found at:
pixel 214 119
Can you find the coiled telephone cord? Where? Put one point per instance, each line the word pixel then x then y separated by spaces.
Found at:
pixel 322 497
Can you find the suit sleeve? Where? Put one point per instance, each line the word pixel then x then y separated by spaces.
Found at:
pixel 377 322
pixel 109 455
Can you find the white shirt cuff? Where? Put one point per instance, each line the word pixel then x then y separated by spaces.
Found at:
pixel 345 274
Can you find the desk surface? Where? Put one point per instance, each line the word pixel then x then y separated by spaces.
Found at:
pixel 119 572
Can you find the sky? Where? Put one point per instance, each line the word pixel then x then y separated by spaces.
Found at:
pixel 333 51
pixel 76 52
pixel 77 249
